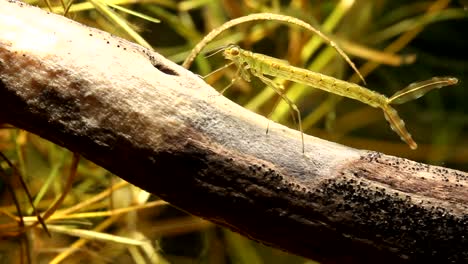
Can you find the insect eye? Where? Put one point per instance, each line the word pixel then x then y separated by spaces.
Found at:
pixel 234 51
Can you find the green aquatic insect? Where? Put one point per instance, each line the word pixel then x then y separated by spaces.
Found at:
pixel 260 66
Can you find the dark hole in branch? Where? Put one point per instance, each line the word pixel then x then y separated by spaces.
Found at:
pixel 165 69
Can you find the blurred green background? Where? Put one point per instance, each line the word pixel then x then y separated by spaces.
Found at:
pixel 408 41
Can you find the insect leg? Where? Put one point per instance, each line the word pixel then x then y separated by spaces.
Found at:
pixel 242 70
pixel 232 81
pixel 293 117
pixel 293 106
pixel 217 70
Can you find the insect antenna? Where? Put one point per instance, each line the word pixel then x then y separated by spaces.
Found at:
pixel 217 50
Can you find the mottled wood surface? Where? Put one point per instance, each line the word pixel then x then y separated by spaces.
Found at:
pixel 163 129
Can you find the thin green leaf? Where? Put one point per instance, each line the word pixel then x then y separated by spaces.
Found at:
pixel 88 234
pixel 122 23
pixel 133 13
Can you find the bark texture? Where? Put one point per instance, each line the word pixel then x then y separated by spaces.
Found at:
pixel 163 129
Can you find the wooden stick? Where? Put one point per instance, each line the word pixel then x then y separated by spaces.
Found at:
pixel 163 129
